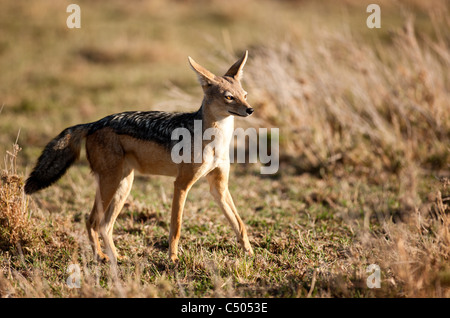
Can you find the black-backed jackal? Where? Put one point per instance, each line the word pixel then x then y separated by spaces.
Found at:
pixel 121 143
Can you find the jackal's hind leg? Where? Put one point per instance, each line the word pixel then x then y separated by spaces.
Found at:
pixel 115 207
pixel 92 226
pixel 108 184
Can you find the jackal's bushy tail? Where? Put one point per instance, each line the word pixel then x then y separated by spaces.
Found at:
pixel 57 157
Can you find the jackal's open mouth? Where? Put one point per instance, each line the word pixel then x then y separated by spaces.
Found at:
pixel 233 113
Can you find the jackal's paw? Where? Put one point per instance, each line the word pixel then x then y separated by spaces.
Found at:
pixel 249 251
pixel 122 259
pixel 102 258
pixel 173 257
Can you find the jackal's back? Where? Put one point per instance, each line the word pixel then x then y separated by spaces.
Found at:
pixel 154 126
pixel 64 150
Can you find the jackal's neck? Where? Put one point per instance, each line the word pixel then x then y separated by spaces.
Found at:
pixel 211 119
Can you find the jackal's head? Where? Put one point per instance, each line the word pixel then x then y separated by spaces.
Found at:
pixel 224 94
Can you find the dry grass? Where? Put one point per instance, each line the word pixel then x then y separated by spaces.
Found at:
pixel 364 137
pixel 15 227
pixel 372 106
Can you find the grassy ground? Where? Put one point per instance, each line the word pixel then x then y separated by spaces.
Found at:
pixel 364 135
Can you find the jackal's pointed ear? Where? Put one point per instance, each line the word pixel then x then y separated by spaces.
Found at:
pixel 205 77
pixel 235 70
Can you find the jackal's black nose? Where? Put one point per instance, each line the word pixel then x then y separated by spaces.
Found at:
pixel 250 111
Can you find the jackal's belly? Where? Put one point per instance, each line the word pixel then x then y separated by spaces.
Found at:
pixel 148 157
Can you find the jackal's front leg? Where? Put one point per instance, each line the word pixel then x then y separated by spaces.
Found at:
pixel 218 182
pixel 238 225
pixel 179 198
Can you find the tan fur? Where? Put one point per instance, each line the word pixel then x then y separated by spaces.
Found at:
pixel 113 159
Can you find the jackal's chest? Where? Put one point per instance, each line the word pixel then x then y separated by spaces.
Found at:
pixel 209 146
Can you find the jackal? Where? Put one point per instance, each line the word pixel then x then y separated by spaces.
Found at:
pixel 118 144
